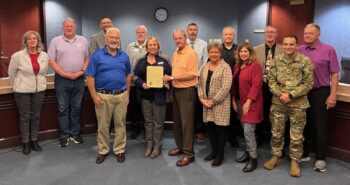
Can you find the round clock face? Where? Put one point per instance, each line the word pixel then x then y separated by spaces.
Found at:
pixel 161 14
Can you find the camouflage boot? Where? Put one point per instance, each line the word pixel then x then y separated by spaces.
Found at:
pixel 272 163
pixel 294 169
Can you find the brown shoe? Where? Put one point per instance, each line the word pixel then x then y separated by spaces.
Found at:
pixel 155 153
pixel 184 161
pixel 120 157
pixel 294 169
pixel 200 137
pixel 175 152
pixel 100 158
pixel 272 163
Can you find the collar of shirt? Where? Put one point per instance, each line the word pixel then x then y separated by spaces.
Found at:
pixel 140 45
pixel 105 51
pixel 70 40
pixel 183 50
pixel 38 50
pixel 317 45
pixel 272 47
pixel 190 41
pixel 295 58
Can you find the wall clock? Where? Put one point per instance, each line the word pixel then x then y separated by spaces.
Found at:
pixel 161 14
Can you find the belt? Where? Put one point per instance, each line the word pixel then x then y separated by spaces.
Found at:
pixel 111 92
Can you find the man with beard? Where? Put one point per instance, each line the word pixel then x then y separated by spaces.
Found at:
pixel 200 46
pixel 136 50
pixel 108 78
pixel 98 40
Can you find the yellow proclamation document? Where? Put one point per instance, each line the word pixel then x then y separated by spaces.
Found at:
pixel 155 76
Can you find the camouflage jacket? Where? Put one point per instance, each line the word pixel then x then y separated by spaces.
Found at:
pixel 293 76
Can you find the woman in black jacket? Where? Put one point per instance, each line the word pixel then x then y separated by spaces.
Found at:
pixel 153 99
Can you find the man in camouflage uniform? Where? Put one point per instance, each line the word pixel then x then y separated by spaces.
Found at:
pixel 290 79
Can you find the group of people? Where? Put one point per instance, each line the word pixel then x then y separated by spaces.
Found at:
pixel 211 85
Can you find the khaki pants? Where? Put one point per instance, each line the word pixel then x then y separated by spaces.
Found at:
pixel 113 106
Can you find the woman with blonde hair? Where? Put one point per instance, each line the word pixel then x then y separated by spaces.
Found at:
pixel 153 100
pixel 27 71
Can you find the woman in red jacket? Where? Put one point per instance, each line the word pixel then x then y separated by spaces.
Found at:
pixel 248 100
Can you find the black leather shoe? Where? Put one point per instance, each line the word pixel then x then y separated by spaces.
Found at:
pixel 244 158
pixel 26 148
pixel 35 146
pixel 209 157
pixel 251 165
pixel 217 161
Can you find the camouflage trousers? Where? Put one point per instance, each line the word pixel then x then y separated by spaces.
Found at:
pixel 279 114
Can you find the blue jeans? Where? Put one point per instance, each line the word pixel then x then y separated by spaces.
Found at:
pixel 69 95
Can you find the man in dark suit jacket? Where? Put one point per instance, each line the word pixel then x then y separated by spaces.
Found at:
pixel 264 53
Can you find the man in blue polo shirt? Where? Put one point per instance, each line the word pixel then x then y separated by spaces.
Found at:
pixel 108 78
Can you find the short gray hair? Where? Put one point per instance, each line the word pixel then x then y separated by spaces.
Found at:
pixel 229 28
pixel 318 28
pixel 68 19
pixel 113 29
pixel 141 26
pixel 180 30
pixel 25 37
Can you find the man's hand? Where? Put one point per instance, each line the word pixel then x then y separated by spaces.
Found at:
pixel 331 101
pixel 167 78
pixel 98 101
pixel 284 98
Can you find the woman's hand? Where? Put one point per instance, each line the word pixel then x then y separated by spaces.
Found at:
pixel 206 103
pixel 145 86
pixel 246 107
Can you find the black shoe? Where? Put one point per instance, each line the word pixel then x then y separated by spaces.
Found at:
pixel 63 141
pixel 217 161
pixel 26 148
pixel 244 158
pixel 35 146
pixel 209 157
pixel 134 133
pixel 251 165
pixel 77 139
